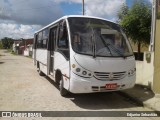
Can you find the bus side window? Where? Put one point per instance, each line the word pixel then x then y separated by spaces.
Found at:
pixel 35 41
pixel 45 38
pixel 39 40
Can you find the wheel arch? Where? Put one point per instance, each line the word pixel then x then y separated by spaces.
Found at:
pixel 58 75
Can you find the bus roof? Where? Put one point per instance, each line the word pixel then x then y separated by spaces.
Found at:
pixel 65 17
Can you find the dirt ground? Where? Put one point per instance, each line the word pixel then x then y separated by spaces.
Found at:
pixel 22 89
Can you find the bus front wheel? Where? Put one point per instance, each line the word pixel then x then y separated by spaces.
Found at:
pixel 63 91
pixel 39 70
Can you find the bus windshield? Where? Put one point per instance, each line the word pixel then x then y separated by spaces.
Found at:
pixel 98 37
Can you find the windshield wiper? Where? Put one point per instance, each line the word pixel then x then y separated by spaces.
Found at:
pixel 93 45
pixel 115 49
pixel 93 42
pixel 106 44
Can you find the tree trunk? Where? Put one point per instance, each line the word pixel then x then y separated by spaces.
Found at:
pixel 139 50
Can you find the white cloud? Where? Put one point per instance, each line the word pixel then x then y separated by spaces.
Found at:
pixel 104 8
pixel 40 12
pixel 99 8
pixel 69 1
pixel 150 1
pixel 17 31
pixel 20 18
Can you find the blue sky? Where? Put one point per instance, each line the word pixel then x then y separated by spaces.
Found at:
pixel 129 2
pixel 20 18
pixel 74 8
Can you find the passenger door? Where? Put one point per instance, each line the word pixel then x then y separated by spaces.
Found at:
pixel 34 48
pixel 52 42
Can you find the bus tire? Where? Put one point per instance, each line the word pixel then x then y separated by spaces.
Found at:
pixel 63 91
pixel 40 72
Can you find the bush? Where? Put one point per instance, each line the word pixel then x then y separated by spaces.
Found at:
pixel 140 57
pixel 1 45
pixel 158 16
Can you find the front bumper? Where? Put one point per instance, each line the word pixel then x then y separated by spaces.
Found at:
pixel 90 85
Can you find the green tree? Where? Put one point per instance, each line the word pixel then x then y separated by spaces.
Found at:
pixel 122 13
pixel 7 42
pixel 1 44
pixel 158 16
pixel 137 23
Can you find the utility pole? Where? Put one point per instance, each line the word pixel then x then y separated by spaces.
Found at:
pixel 153 26
pixel 82 7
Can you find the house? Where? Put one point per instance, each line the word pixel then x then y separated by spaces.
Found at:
pixel 26 47
pixel 16 46
pixel 149 70
pixel 156 81
pixel 23 46
pixel 28 50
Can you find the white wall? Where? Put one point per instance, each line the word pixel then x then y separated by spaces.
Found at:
pixel 26 52
pixel 145 71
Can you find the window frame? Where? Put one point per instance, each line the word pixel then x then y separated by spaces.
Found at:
pixel 65 51
pixel 67 36
pixel 41 39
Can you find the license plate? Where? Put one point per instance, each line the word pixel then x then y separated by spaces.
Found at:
pixel 111 86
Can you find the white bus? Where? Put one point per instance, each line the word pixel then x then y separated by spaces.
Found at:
pixel 85 54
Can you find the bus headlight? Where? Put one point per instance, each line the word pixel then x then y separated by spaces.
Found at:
pixel 73 66
pixel 81 71
pixel 78 69
pixel 132 72
pixel 84 73
pixel 89 74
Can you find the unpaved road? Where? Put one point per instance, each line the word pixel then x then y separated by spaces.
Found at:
pixel 22 89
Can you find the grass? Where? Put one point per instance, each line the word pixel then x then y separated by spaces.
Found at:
pixel 11 51
pixel 14 53
pixel 158 16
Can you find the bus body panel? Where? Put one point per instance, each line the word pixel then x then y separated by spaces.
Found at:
pixel 105 64
pixel 41 56
pixel 64 66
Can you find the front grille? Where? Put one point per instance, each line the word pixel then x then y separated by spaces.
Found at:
pixel 109 76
